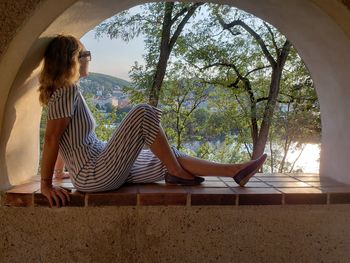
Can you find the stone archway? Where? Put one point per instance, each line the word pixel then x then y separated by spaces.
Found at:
pixel 318 29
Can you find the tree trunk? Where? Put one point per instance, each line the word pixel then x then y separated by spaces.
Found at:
pixel 163 56
pixel 287 142
pixel 271 154
pixel 167 44
pixel 253 119
pixel 268 112
pixel 277 68
pixel 272 100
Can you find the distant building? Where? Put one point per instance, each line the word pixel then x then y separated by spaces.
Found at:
pixel 103 101
pixel 122 103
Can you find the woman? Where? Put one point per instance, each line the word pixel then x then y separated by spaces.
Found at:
pixel 97 166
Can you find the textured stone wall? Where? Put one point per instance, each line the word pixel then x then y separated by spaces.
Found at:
pixel 12 16
pixel 314 233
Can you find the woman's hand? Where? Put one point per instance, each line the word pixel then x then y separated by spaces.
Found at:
pixel 56 194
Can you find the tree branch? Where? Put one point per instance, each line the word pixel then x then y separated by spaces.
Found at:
pixel 273 38
pixel 229 65
pixel 255 35
pixel 256 69
pixel 182 24
pixel 280 101
pixel 183 11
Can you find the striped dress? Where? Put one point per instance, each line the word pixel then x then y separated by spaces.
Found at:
pixel 96 166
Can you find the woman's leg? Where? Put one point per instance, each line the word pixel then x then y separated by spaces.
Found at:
pixel 206 168
pixel 160 147
pixel 185 166
pixel 110 168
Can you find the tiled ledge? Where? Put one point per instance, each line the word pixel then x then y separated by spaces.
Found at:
pixel 262 189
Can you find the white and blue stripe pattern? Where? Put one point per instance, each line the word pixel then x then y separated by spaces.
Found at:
pixel 97 166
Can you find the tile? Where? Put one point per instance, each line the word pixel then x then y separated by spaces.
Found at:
pixel 271 174
pixel 339 198
pixel 76 199
pixel 258 196
pixel 300 190
pixel 25 188
pixel 288 184
pixel 278 179
pixel 249 184
pixel 304 196
pixel 64 185
pixel 67 180
pixel 211 196
pixel 326 184
pixel 21 195
pixel 18 199
pixel 212 178
pixel 158 194
pixel 230 179
pixel 336 189
pixel 251 190
pixel 126 195
pixel 302 174
pixel 308 178
pixel 214 184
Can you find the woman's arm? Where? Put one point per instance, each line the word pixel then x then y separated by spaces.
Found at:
pixel 53 133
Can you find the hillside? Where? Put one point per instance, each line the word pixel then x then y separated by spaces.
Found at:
pixel 100 82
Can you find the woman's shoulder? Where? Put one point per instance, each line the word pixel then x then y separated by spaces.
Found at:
pixel 63 92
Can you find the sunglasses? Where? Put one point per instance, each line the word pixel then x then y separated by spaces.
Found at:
pixel 85 54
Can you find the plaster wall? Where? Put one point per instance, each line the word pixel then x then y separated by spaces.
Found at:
pixel 317 233
pixel 319 29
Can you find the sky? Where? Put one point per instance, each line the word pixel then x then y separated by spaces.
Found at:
pixel 113 57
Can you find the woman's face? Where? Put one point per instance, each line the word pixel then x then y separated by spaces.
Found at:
pixel 84 58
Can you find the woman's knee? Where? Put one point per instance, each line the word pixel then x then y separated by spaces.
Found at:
pixel 142 108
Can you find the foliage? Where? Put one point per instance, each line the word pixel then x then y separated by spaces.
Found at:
pixel 161 25
pixel 217 88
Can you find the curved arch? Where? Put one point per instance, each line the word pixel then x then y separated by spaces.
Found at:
pixel 307 25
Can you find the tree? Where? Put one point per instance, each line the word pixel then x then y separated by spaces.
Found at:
pixel 181 99
pixel 225 55
pixel 297 122
pixel 260 89
pixel 161 23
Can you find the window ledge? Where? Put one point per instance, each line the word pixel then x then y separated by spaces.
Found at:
pixel 262 189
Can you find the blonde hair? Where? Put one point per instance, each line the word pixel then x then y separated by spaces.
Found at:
pixel 61 66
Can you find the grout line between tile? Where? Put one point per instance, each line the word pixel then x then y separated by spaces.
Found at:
pixel 137 199
pixel 328 198
pixel 86 200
